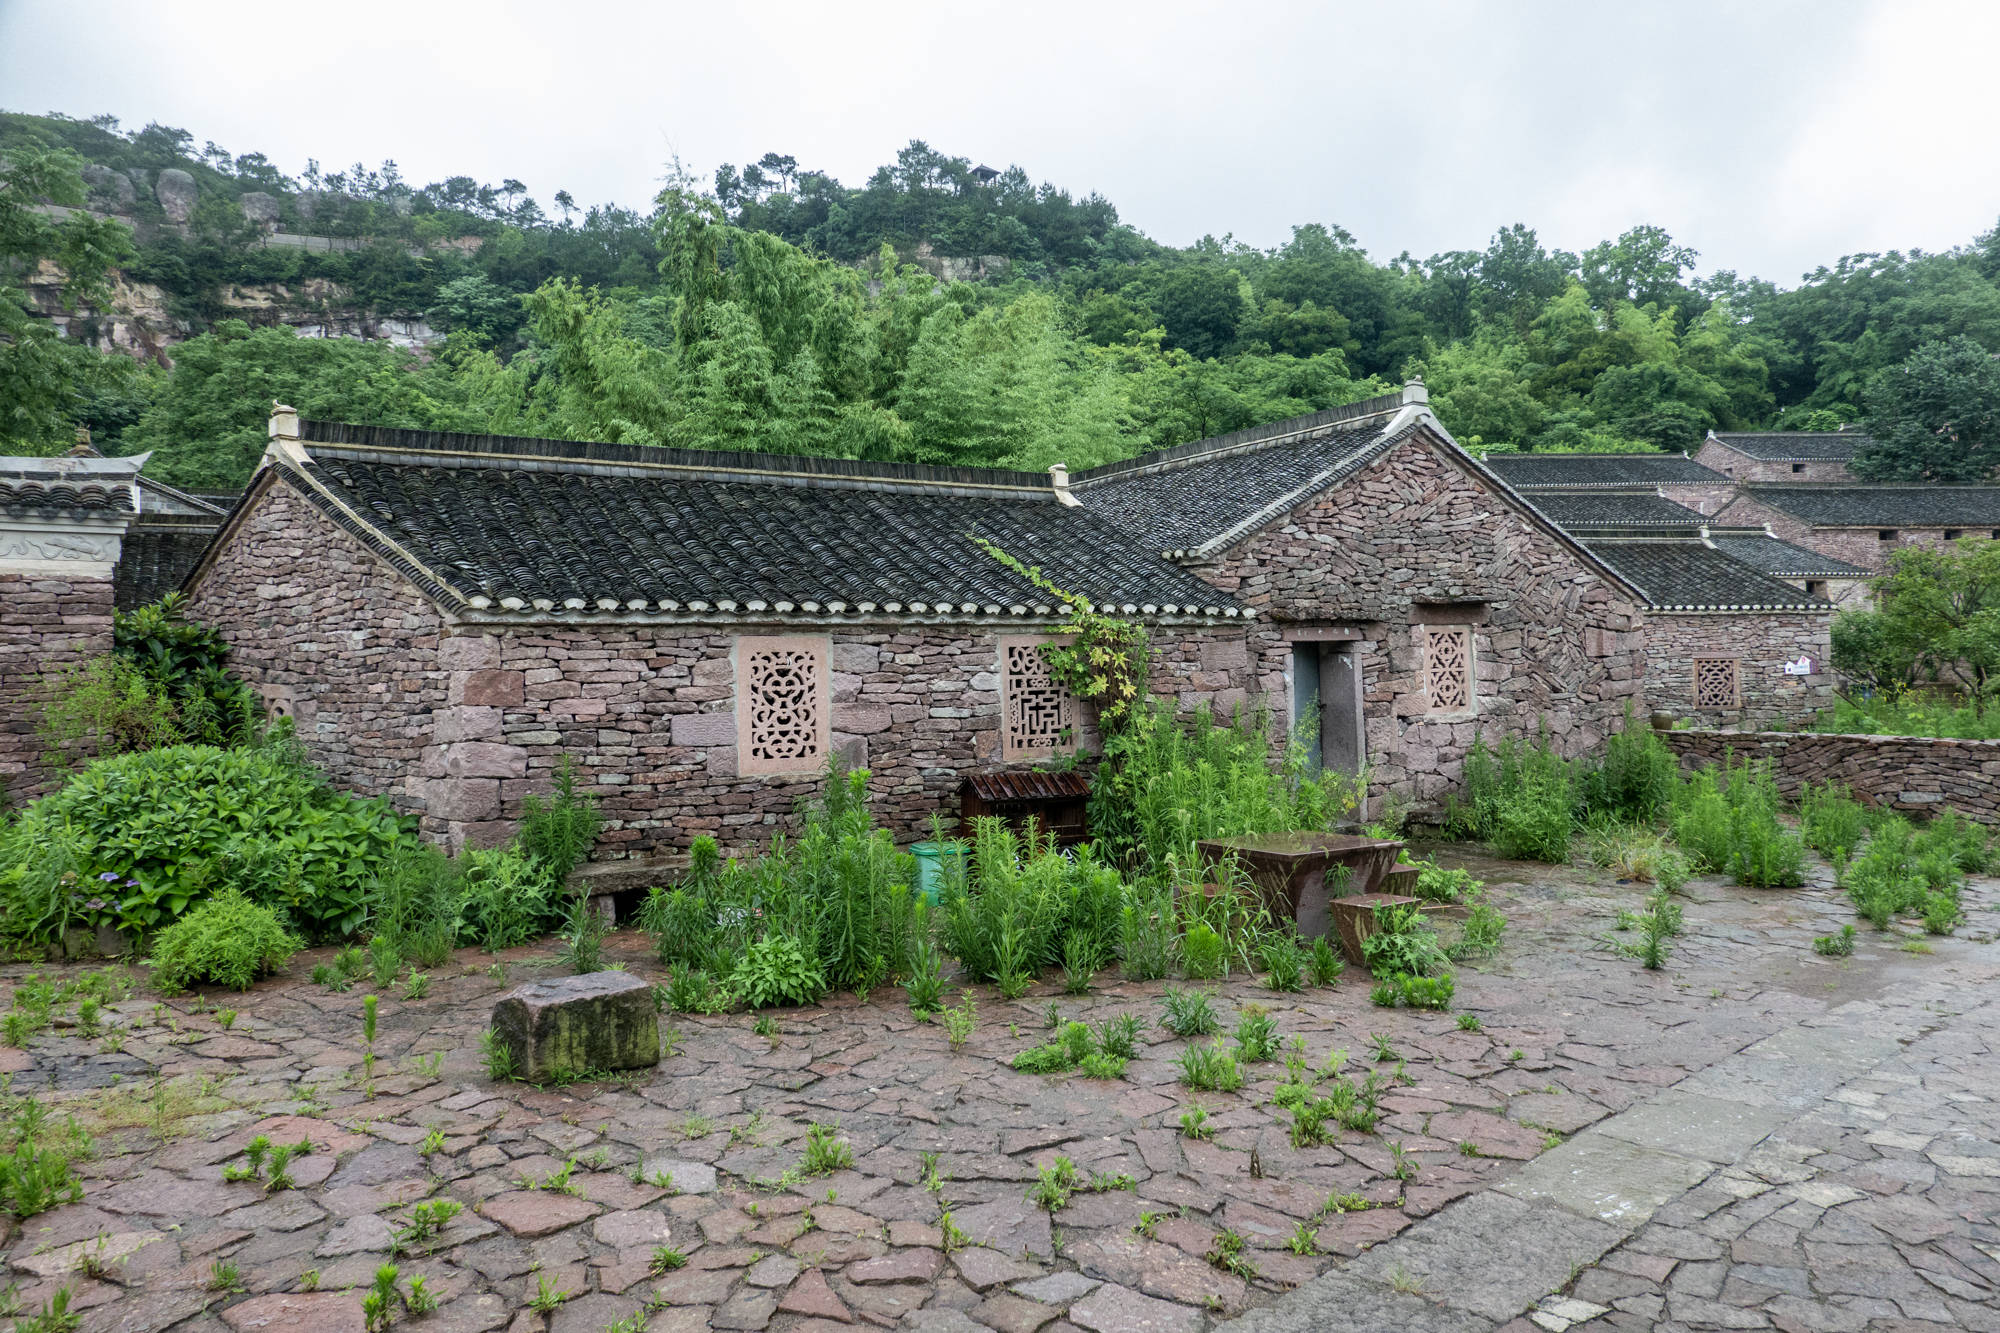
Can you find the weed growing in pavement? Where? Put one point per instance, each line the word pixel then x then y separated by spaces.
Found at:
pixel 825 1153
pixel 1187 1013
pixel 1835 946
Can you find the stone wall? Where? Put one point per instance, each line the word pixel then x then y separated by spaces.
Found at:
pixel 1761 644
pixel 1916 774
pixel 649 713
pixel 1742 467
pixel 332 638
pixel 47 622
pixel 1857 546
pixel 1414 537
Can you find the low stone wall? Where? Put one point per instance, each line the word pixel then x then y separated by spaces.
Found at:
pixel 1916 774
pixel 47 623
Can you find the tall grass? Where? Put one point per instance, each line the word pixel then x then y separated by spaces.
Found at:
pixel 1908 715
pixel 1172 779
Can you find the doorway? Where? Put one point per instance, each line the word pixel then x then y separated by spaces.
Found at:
pixel 1326 678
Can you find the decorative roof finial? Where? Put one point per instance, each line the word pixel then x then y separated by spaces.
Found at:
pixel 284 421
pixel 1414 392
pixel 1059 477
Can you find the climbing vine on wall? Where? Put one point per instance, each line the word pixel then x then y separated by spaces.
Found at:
pixel 1102 660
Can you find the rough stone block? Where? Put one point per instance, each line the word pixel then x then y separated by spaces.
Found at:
pixel 702 729
pixel 466 724
pixel 469 652
pixel 463 799
pixel 602 1020
pixel 485 759
pixel 488 688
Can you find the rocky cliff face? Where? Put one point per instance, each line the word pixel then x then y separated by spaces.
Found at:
pixel 138 321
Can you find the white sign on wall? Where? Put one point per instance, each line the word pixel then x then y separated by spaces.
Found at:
pixel 1802 667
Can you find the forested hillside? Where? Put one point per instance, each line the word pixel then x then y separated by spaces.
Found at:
pixel 938 312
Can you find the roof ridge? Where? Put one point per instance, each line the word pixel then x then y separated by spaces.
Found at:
pixel 791 467
pixel 1272 432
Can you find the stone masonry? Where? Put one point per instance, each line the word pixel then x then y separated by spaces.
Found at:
pixel 1915 774
pixel 460 722
pixel 1761 644
pixel 1415 537
pixel 46 623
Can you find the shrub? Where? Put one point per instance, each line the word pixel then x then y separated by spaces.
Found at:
pixel 227 941
pixel 1832 822
pixel 1021 901
pixel 159 831
pixel 1521 799
pixel 775 970
pixel 1403 941
pixel 1416 992
pixel 505 899
pixel 1146 938
pixel 1885 879
pixel 1171 779
pixel 1439 884
pixel 1637 778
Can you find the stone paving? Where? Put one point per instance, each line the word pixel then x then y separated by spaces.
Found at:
pixel 1754 1137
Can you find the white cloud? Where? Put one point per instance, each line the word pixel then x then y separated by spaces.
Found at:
pixel 1772 137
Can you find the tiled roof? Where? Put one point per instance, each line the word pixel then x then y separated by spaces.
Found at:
pixel 555 527
pixel 1795 446
pixel 69 484
pixel 1691 576
pixel 1527 472
pixel 160 498
pixel 1781 559
pixel 1621 509
pixel 26 493
pixel 1195 495
pixel 1885 506
pixel 156 555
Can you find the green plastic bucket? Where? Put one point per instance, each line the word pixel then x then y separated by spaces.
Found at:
pixel 930 865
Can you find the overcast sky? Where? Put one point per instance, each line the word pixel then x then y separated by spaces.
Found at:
pixel 1772 136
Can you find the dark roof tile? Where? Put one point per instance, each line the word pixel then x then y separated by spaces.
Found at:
pixel 1186 503
pixel 1623 509
pixel 1690 576
pixel 1534 471
pixel 1782 559
pixel 1795 446
pixel 545 524
pixel 1885 506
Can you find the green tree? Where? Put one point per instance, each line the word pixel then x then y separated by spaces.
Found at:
pixel 1935 417
pixel 1937 616
pixel 42 377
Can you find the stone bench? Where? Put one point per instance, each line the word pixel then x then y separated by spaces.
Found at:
pixel 572 1025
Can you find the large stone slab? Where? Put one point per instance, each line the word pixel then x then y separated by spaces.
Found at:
pixel 1489 1254
pixel 568 1025
pixel 1691 1124
pixel 1607 1178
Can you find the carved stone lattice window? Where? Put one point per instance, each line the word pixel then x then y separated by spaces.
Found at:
pixel 1716 682
pixel 1039 714
pixel 781 705
pixel 1448 668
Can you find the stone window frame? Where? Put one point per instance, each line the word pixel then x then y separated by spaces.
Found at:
pixel 1724 676
pixel 813 651
pixel 1011 749
pixel 1464 700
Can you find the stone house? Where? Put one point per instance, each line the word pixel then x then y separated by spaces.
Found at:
pixel 1811 457
pixel 63 523
pixel 1738 623
pixel 445 615
pixel 1864 524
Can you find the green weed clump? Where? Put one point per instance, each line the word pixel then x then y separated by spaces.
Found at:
pixel 1403 942
pixel 836 909
pixel 1838 945
pixel 1522 799
pixel 227 941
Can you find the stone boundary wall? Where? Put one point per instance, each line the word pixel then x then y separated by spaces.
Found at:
pixel 1914 774
pixel 47 622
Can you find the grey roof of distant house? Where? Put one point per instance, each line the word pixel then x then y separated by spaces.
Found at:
pixel 1193 496
pixel 1620 509
pixel 1782 559
pixel 1884 506
pixel 1691 576
pixel 1530 472
pixel 490 521
pixel 1795 446
pixel 68 485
